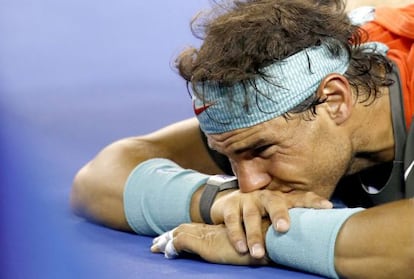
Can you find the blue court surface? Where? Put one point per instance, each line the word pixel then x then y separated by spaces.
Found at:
pixel 75 76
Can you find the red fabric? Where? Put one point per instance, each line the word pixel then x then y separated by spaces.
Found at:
pixel 395 28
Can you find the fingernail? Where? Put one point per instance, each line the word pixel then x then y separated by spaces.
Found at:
pixel 241 246
pixel 282 225
pixel 154 249
pixel 258 251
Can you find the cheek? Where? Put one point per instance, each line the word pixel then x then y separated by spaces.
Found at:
pixel 289 170
pixel 314 159
pixel 315 168
pixel 329 164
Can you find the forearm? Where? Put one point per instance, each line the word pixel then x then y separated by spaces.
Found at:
pixel 349 243
pixel 378 243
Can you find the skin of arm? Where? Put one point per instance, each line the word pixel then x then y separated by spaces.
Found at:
pixel 97 191
pixel 378 243
pixel 375 243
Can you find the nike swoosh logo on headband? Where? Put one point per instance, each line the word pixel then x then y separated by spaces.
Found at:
pixel 199 110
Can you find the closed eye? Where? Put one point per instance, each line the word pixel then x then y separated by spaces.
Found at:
pixel 261 151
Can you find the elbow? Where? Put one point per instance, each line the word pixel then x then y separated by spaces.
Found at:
pixel 79 199
pixel 90 196
pixel 97 189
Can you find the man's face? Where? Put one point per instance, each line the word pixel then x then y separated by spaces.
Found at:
pixel 286 155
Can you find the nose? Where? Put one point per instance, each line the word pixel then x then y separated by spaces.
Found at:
pixel 251 176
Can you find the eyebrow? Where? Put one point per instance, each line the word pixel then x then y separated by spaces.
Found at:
pixel 252 146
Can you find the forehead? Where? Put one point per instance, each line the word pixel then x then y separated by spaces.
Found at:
pixel 277 129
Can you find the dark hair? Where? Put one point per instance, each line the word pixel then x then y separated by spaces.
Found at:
pixel 241 37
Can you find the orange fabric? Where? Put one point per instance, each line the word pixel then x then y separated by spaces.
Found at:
pixel 395 28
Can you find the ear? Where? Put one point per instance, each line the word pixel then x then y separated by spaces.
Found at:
pixel 335 89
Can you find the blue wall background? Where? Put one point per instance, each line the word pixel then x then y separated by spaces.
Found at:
pixel 75 76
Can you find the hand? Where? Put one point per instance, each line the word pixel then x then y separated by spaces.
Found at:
pixel 242 213
pixel 210 242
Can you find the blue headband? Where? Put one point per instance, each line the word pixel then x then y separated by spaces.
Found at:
pixel 286 84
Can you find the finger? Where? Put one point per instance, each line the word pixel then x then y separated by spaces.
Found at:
pixel 211 243
pixel 252 224
pixel 159 243
pixel 170 251
pixel 207 242
pixel 191 238
pixel 235 230
pixel 165 242
pixel 308 200
pixel 276 207
pixel 187 242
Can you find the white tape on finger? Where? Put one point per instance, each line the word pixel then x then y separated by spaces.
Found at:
pixel 170 251
pixel 162 240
